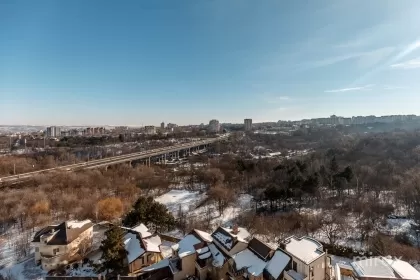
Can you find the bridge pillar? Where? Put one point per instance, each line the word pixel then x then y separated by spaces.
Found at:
pixel 177 154
pixel 149 161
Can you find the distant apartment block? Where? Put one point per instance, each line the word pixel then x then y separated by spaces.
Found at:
pixel 214 126
pixel 149 129
pixel 53 131
pixel 248 124
pixel 171 126
pixel 162 125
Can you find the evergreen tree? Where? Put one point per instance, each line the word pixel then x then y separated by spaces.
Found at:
pixel 333 166
pixel 151 213
pixel 113 251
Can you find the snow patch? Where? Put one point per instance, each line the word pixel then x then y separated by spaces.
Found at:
pixel 255 266
pixel 77 224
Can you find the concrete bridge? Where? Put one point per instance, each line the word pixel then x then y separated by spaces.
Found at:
pixel 147 157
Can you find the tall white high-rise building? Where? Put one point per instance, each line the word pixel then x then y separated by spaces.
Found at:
pixel 214 126
pixel 53 131
pixel 248 124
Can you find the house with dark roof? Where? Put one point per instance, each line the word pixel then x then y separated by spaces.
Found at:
pixel 194 255
pixel 142 247
pixel 57 245
pixel 227 253
pixel 231 240
pixel 257 262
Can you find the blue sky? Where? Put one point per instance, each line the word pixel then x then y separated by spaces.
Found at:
pixel 142 62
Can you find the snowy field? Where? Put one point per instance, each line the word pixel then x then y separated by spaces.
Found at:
pixel 187 200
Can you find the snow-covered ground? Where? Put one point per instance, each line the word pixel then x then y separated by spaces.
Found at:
pixel 25 269
pixel 187 200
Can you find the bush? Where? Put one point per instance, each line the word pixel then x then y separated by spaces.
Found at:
pixel 109 208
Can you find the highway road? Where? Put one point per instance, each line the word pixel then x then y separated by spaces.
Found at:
pixel 111 160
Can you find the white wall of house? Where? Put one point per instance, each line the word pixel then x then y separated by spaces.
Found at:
pixel 51 256
pixel 318 268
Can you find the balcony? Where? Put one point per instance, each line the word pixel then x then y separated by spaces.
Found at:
pixel 293 275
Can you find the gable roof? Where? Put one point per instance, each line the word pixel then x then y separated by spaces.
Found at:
pixel 139 240
pixel 259 248
pixel 133 246
pixel 228 239
pixel 256 266
pixel 403 269
pixel 373 267
pixel 277 264
pixel 64 233
pixel 185 247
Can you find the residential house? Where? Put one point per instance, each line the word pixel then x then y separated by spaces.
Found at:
pixel 194 255
pixel 377 268
pixel 143 248
pixel 61 244
pixel 231 240
pixel 227 253
pixel 309 261
pixel 257 262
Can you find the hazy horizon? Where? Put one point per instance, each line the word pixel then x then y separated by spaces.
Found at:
pixel 72 64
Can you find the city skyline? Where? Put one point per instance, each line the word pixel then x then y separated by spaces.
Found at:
pixel 68 63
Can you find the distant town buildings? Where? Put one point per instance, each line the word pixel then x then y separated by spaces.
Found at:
pixel 162 125
pixel 248 124
pixel 149 129
pixel 171 125
pixel 53 131
pixel 214 126
pixel 355 120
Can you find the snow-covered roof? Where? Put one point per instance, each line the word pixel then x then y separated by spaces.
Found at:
pixel 243 235
pixel 404 269
pixel 204 256
pixel 163 263
pixel 77 224
pixel 277 264
pixel 228 239
pixel 218 258
pixel 152 243
pixel 224 239
pixel 305 248
pixel 204 235
pixel 246 259
pixel 202 250
pixel 373 267
pixel 185 247
pixel 132 246
pixel 143 230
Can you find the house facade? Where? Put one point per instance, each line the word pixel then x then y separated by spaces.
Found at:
pixel 58 245
pixel 227 253
pixel 309 261
pixel 142 247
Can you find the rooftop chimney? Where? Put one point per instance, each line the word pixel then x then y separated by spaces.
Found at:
pixel 235 229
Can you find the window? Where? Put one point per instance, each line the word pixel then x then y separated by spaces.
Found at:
pixel 294 266
pixel 56 250
pixel 312 271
